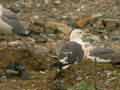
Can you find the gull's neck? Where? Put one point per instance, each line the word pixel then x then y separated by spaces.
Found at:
pixel 86 46
pixel 77 40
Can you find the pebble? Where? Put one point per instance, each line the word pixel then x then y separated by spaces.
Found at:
pixel 3 44
pixel 38 5
pixel 3 78
pixel 46 1
pixel 111 24
pixel 78 9
pixel 21 43
pixel 57 2
pixel 64 17
pixel 115 38
pixel 15 43
pixel 18 70
pixel 82 6
pixel 54 9
pixel 110 80
pixel 29 4
pixel 36 17
pixel 108 73
pixel 41 39
pixel 79 78
pixel 39 50
pixel 42 72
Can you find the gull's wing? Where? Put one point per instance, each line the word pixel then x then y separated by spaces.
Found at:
pixel 102 52
pixel 105 55
pixel 71 52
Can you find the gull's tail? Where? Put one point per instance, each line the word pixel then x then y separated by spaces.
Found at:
pixel 99 60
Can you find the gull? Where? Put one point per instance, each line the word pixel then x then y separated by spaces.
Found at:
pixel 71 52
pixel 75 50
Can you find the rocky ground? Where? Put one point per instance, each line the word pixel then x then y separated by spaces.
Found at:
pixel 52 21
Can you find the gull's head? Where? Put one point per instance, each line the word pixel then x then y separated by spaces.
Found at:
pixel 76 35
pixel 1 8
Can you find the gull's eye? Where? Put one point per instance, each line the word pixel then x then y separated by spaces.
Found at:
pixel 79 32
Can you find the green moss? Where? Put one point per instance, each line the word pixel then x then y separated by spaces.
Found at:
pixel 82 86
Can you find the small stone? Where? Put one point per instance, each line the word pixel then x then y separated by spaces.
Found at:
pixel 115 38
pixel 106 37
pixel 78 9
pixel 82 6
pixel 111 24
pixel 110 80
pixel 29 4
pixel 3 44
pixel 108 73
pixel 57 2
pixel 38 5
pixel 116 62
pixel 39 50
pixel 15 43
pixel 79 78
pixel 18 70
pixel 42 72
pixel 46 1
pixel 35 17
pixel 54 9
pixel 64 17
pixel 53 36
pixel 3 78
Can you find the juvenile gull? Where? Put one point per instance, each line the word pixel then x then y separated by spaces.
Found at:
pixel 9 23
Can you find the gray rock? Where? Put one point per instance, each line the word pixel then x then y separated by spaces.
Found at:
pixel 18 70
pixel 39 50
